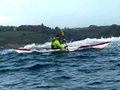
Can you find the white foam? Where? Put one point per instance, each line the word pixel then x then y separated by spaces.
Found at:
pixel 6 51
pixel 30 46
pixel 46 45
pixel 87 41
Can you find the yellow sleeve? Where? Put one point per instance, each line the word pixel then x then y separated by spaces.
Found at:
pixel 58 44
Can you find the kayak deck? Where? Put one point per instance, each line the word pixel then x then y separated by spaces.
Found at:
pixel 100 45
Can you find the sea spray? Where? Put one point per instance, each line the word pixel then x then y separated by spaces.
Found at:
pixel 87 41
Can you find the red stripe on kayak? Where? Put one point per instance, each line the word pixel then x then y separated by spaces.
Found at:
pixel 84 47
pixel 93 45
pixel 100 44
pixel 21 49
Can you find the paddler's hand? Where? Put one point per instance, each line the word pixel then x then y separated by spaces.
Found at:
pixel 66 48
pixel 64 40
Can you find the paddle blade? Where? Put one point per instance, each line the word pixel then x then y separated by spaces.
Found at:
pixel 62 32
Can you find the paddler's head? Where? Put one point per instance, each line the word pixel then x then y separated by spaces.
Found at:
pixel 57 36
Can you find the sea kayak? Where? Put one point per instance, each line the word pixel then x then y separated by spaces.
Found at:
pixel 99 45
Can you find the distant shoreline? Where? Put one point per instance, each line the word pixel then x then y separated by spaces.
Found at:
pixel 12 36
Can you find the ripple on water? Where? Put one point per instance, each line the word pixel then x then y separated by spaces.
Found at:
pixel 90 69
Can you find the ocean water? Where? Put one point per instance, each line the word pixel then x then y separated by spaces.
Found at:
pixel 87 69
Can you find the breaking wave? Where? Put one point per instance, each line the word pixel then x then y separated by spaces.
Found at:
pixel 87 41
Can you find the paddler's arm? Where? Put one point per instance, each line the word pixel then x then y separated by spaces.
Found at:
pixel 62 41
pixel 58 44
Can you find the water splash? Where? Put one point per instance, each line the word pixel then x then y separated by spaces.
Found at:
pixel 30 46
pixel 6 51
pixel 87 41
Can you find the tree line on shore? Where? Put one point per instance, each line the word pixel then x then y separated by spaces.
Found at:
pixel 42 33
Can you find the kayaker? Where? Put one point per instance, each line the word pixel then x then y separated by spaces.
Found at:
pixel 56 43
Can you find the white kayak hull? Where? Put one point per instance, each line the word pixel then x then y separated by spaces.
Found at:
pixel 100 45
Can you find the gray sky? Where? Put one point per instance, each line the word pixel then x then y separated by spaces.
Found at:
pixel 61 13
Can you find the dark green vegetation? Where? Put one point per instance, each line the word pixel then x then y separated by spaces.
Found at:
pixel 11 36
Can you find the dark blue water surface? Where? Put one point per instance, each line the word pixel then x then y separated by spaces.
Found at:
pixel 88 69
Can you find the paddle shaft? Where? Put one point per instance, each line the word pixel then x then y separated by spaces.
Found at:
pixel 63 37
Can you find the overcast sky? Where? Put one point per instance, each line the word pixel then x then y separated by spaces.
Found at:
pixel 61 13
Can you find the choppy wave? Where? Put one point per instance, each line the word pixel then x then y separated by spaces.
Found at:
pixel 90 69
pixel 87 41
pixel 6 51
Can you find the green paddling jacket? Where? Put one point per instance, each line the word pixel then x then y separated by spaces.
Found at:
pixel 56 44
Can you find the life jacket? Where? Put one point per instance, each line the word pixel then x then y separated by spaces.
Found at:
pixel 52 46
